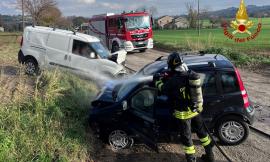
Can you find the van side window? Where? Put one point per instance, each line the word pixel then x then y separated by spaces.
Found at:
pixel 229 83
pixel 82 49
pixel 209 87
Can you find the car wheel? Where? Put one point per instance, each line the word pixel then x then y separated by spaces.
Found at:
pixel 118 140
pixel 31 67
pixel 115 47
pixel 232 131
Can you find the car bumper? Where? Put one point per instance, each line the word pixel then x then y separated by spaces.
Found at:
pixel 134 45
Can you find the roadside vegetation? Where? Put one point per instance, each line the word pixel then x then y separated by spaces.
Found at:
pixel 46 121
pixel 42 118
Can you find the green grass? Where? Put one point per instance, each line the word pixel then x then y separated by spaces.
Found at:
pixel 188 39
pixel 42 118
pixel 48 123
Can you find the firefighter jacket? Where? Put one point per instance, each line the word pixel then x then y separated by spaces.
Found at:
pixel 184 92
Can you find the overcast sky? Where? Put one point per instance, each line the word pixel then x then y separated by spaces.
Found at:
pixel 164 7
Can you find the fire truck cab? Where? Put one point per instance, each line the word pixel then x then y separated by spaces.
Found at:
pixel 129 31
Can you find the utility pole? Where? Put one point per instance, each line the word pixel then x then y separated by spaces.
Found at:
pixel 198 19
pixel 23 15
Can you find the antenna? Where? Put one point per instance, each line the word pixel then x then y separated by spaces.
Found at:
pixel 216 56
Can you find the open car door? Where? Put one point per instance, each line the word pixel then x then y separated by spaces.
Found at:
pixel 141 116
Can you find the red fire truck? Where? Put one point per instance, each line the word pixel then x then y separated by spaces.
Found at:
pixel 129 31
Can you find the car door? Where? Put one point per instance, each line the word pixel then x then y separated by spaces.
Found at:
pixel 57 50
pixel 141 116
pixel 212 98
pixel 82 58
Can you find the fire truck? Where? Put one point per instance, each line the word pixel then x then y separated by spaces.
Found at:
pixel 129 31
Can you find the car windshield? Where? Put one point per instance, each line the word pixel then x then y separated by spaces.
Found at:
pixel 124 90
pixel 153 68
pixel 100 49
pixel 137 22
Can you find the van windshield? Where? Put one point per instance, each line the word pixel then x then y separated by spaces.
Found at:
pixel 100 49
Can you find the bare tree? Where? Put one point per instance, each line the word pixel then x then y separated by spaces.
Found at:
pixel 49 17
pixel 192 15
pixel 36 7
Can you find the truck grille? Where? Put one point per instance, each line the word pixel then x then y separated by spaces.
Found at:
pixel 136 36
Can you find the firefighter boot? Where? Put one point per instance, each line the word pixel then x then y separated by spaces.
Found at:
pixel 190 158
pixel 209 155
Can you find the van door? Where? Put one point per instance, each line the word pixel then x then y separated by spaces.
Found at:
pixel 142 116
pixel 82 58
pixel 57 50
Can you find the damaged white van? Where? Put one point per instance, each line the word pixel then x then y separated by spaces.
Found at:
pixel 44 47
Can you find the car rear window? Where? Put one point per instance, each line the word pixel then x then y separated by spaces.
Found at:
pixel 229 83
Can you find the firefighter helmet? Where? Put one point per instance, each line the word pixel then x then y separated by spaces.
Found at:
pixel 174 60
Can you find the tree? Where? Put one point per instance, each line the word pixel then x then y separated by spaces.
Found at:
pixel 192 15
pixel 49 17
pixel 35 8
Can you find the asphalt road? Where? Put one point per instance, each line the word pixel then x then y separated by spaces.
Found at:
pixel 255 149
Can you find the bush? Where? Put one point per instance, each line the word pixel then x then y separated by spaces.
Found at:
pixel 48 124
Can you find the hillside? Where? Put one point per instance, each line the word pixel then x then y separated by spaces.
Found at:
pixel 253 11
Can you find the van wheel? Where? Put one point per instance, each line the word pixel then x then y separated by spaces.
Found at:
pixel 232 131
pixel 119 140
pixel 31 67
pixel 115 47
pixel 142 50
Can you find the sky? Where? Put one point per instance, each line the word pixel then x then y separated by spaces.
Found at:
pixel 88 8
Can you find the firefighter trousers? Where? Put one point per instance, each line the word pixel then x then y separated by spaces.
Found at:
pixel 185 127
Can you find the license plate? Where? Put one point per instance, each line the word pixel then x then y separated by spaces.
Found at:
pixel 140 42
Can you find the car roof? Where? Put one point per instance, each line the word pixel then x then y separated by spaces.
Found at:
pixel 194 62
pixel 79 36
pixel 207 60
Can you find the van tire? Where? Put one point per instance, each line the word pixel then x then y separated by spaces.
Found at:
pixel 31 66
pixel 229 127
pixel 115 47
pixel 142 50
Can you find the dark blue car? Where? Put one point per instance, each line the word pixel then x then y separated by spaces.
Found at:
pixel 134 109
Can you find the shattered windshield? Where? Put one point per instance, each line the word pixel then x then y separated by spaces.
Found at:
pixel 138 22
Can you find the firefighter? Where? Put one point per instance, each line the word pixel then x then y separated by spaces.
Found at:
pixel 183 88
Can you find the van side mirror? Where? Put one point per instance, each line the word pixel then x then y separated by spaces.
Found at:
pixel 92 55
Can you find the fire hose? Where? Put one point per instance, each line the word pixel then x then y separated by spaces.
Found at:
pixel 216 144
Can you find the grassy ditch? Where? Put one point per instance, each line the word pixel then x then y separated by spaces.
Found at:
pixel 46 121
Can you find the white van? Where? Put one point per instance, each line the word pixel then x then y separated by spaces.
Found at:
pixel 44 47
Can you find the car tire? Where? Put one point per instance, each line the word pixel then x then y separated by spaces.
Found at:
pixel 31 67
pixel 119 140
pixel 232 130
pixel 142 50
pixel 115 47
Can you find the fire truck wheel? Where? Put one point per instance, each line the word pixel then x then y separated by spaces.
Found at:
pixel 115 47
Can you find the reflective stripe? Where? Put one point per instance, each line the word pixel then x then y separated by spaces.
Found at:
pixel 195 82
pixel 184 114
pixel 189 150
pixel 160 86
pixel 205 141
pixel 158 82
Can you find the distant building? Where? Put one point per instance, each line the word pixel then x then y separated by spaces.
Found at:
pixel 162 21
pixel 178 23
pixel 2 29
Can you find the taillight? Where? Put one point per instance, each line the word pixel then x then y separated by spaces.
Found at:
pixel 21 43
pixel 242 88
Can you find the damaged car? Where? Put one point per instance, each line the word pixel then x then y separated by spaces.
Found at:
pixel 134 109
